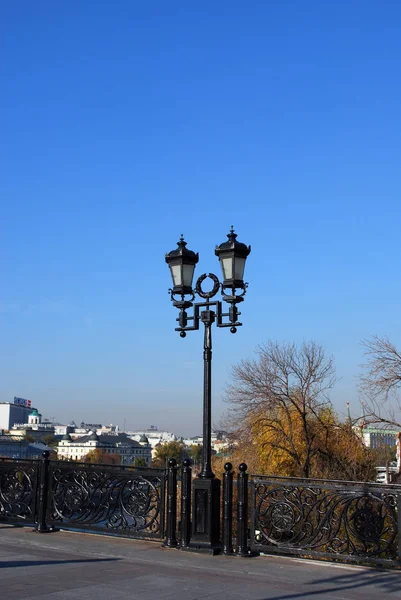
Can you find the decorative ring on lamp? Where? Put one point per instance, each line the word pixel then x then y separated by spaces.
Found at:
pixel 213 291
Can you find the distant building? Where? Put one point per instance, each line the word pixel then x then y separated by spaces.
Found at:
pixel 129 450
pixel 60 430
pixel 34 426
pixel 377 437
pixel 219 441
pixel 84 429
pixel 12 413
pixel 381 436
pixel 112 429
pixel 154 436
pixel 91 426
pixel 15 447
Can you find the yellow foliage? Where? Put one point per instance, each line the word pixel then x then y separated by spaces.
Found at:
pixel 99 456
pixel 280 445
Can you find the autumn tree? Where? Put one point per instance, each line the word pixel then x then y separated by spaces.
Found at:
pixel 343 455
pixel 384 454
pixel 283 421
pixel 381 381
pixel 139 462
pixel 49 440
pixel 166 451
pixel 194 452
pixel 99 456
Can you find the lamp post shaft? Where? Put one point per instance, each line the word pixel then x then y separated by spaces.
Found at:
pixel 206 488
pixel 207 317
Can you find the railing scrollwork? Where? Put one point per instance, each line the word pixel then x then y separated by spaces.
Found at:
pixel 312 518
pixel 110 499
pixel 18 490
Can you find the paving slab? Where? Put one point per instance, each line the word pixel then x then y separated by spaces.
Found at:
pixel 71 566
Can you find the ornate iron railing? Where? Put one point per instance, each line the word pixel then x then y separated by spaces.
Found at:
pixel 108 499
pixel 307 517
pixel 352 521
pixel 18 489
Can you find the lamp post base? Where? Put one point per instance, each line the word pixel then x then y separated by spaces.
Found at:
pixel 203 548
pixel 205 516
pixel 45 528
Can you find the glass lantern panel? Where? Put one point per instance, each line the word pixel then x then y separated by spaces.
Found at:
pixel 176 275
pixel 239 268
pixel 227 266
pixel 188 274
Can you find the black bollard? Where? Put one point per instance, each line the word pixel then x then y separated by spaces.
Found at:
pixel 42 526
pixel 186 503
pixel 228 509
pixel 242 512
pixel 171 538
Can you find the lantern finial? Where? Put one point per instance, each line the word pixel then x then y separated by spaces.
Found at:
pixel 232 236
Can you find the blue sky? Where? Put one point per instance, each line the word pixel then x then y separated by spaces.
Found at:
pixel 125 124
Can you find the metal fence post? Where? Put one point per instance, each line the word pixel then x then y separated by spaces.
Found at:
pixel 186 503
pixel 242 511
pixel 171 538
pixel 228 509
pixel 399 525
pixel 42 526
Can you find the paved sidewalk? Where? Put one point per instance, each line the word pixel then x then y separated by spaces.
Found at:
pixel 74 566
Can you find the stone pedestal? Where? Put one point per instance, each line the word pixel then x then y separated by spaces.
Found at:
pixel 205 515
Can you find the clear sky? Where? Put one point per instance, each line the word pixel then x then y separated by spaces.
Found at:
pixel 127 123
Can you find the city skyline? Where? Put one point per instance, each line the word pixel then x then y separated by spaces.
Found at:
pixel 191 431
pixel 30 408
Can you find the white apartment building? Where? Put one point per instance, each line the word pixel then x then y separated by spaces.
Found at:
pixel 219 441
pixel 84 429
pixel 154 436
pixel 377 437
pixel 128 449
pixel 33 426
pixel 13 413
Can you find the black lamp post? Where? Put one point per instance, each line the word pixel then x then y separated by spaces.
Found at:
pixel 232 256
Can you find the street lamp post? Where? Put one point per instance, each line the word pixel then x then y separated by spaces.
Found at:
pixel 232 256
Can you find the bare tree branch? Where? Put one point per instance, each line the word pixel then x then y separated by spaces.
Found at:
pixel 381 381
pixel 283 391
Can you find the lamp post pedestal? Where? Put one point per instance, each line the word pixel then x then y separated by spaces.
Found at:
pixel 206 515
